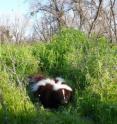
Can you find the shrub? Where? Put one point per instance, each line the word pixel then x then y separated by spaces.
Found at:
pixel 88 64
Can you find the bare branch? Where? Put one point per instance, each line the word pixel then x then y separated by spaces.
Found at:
pixel 96 16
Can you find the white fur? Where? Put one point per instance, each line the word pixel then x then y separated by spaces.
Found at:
pixel 60 80
pixel 42 82
pixel 63 91
pixel 61 86
pixel 56 86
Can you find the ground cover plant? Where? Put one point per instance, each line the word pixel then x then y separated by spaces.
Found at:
pixel 88 64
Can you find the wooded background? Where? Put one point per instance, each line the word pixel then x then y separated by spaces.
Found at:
pixel 94 17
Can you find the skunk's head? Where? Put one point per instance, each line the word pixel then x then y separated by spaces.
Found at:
pixel 62 93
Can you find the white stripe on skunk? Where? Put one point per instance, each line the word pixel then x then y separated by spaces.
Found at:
pixel 59 80
pixel 56 86
pixel 61 86
pixel 42 82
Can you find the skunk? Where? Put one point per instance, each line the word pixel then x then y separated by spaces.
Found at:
pixel 50 92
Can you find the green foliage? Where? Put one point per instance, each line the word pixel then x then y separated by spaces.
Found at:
pixel 18 62
pixel 88 65
pixel 14 102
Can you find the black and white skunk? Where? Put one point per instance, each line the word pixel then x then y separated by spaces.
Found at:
pixel 51 92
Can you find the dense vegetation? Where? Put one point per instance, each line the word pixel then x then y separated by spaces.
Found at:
pixel 88 65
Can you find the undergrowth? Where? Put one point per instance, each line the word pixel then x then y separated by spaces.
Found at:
pixel 88 64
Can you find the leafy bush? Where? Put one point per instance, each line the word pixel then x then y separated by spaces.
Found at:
pixel 88 64
pixel 18 62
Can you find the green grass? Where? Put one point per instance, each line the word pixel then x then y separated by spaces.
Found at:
pixel 88 64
